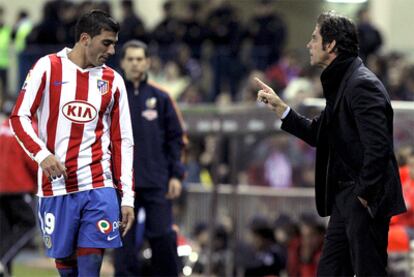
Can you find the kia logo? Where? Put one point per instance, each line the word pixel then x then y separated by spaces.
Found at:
pixel 79 111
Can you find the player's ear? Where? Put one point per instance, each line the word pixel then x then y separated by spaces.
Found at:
pixel 84 39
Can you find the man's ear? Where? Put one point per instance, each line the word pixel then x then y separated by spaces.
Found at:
pixel 331 46
pixel 84 39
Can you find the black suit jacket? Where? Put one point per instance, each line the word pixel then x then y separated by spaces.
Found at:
pixel 360 131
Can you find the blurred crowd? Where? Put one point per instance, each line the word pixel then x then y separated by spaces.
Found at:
pixel 203 52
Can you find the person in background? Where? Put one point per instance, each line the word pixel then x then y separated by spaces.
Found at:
pixel 303 257
pixel 269 257
pixel 370 38
pixel 132 26
pixel 84 147
pixel 158 169
pixel 17 186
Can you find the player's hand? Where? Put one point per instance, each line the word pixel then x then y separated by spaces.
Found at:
pixel 267 95
pixel 128 217
pixel 174 188
pixel 53 168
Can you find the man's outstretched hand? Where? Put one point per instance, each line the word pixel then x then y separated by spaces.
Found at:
pixel 267 95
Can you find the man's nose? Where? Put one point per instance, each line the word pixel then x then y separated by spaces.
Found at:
pixel 111 49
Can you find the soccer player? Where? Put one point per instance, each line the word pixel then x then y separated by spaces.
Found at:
pixel 158 170
pixel 84 147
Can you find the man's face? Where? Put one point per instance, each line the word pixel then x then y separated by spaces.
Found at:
pixel 101 47
pixel 318 55
pixel 134 63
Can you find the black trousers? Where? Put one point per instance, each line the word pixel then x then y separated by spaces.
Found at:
pixel 158 231
pixel 355 243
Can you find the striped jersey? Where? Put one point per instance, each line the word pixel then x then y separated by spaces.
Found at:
pixel 83 119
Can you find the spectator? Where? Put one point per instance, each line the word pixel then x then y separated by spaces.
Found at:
pixel 304 257
pixel 68 12
pixel 405 90
pixel 269 258
pixel 17 186
pixel 225 34
pixel 46 32
pixel 370 39
pixel 194 32
pixel 267 31
pixel 132 26
pixel 167 33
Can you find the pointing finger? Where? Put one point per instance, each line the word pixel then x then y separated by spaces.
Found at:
pixel 262 85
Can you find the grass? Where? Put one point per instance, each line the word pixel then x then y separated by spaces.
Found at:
pixel 21 270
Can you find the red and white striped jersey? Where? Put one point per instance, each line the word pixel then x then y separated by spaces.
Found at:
pixel 83 119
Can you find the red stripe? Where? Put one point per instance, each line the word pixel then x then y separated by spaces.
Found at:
pixel 116 142
pixel 66 264
pixel 89 251
pixel 39 95
pixel 76 135
pixel 54 103
pixel 96 166
pixel 27 140
pixel 54 100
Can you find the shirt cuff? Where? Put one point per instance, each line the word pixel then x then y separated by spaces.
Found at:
pixel 127 200
pixel 41 155
pixel 285 113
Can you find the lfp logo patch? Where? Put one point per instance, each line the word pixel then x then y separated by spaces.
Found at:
pixel 103 86
pixel 104 226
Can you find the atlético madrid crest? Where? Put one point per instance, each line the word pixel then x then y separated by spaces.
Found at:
pixel 103 86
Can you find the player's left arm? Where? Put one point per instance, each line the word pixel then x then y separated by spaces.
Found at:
pixel 122 144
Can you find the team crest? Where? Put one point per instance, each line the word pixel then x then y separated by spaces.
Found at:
pixel 104 226
pixel 25 82
pixel 150 114
pixel 47 240
pixel 103 86
pixel 151 103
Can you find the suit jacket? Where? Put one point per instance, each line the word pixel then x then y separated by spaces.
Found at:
pixel 360 131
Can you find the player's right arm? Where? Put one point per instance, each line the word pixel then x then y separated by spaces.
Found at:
pixel 27 104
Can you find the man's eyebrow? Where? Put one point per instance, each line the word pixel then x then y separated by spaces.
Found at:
pixel 110 40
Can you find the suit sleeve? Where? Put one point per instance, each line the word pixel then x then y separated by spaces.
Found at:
pixel 175 139
pixel 301 127
pixel 25 109
pixel 122 145
pixel 369 107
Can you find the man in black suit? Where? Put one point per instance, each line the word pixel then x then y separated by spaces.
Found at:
pixel 357 181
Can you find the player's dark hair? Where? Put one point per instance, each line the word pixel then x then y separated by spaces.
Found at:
pixel 134 44
pixel 94 22
pixel 337 27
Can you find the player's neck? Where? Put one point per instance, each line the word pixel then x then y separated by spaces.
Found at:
pixel 78 57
